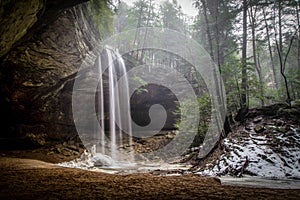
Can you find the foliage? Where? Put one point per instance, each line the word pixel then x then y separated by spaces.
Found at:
pixel 204 105
pixel 102 12
pixel 141 82
pixel 148 14
pixel 172 16
pixel 218 27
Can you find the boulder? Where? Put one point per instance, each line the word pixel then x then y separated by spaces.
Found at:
pixel 101 160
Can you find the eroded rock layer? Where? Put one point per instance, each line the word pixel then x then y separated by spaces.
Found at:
pixel 42 46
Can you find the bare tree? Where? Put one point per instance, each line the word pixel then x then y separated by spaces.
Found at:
pixel 279 47
pixel 252 17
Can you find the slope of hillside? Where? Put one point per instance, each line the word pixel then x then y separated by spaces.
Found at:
pixel 265 144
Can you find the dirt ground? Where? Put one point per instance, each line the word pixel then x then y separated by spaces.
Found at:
pixel 32 179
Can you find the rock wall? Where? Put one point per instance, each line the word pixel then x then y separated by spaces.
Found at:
pixel 16 18
pixel 42 46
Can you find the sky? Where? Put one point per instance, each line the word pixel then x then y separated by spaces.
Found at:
pixel 187 6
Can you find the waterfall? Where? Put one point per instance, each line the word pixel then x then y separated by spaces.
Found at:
pixel 100 134
pixel 112 104
pixel 125 99
pixel 118 102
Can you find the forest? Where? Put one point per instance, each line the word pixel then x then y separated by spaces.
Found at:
pixel 255 44
pixel 150 99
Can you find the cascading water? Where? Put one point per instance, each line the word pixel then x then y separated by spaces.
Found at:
pixel 113 127
pixel 112 104
pixel 118 99
pixel 125 99
pixel 100 135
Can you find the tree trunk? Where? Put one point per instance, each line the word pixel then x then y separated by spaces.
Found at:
pixel 244 58
pixel 298 20
pixel 280 54
pixel 261 83
pixel 209 38
pixel 217 36
pixel 137 31
pixel 147 25
pixel 282 74
pixel 280 26
pixel 270 51
pixel 255 56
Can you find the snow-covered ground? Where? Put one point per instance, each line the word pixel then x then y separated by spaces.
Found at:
pixel 264 148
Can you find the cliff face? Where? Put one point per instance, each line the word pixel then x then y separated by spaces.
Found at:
pixel 16 19
pixel 42 46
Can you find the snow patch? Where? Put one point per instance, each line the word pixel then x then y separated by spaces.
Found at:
pixel 270 154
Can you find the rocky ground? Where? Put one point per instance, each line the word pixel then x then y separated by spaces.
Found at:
pixel 32 179
pixel 265 144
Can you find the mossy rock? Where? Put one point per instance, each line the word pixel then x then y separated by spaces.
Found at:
pixel 259 128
